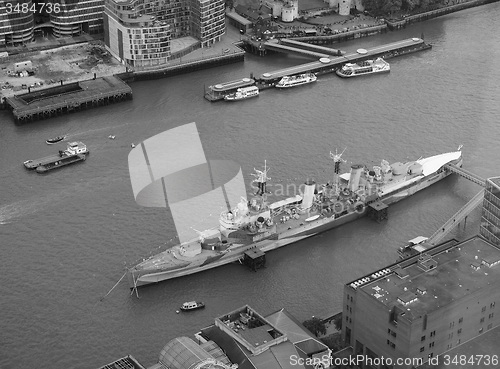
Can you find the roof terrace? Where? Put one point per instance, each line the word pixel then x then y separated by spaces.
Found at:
pixel 250 329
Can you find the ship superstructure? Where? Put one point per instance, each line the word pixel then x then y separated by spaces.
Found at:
pixel 255 222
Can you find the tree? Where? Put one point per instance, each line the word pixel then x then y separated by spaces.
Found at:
pixel 337 321
pixel 315 325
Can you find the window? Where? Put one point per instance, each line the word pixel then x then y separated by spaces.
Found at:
pixel 482 320
pixel 431 344
pixel 459 331
pixel 483 309
pixel 449 346
pixel 492 305
pixel 458 342
pixel 490 316
pixel 481 331
pixel 422 338
pixel 422 349
pixel 460 320
pixel 433 333
pixel 450 335
pixel 452 324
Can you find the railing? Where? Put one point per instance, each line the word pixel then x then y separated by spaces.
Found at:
pixel 466 174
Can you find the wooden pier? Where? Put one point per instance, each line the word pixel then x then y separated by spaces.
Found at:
pixel 68 98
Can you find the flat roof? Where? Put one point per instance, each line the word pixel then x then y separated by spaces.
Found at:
pixel 238 18
pixel 452 278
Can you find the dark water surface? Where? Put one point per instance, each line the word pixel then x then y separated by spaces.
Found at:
pixel 66 237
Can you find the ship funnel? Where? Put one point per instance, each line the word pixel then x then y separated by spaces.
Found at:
pixel 308 197
pixel 355 176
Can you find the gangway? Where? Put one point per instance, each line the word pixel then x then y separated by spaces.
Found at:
pixel 311 47
pixel 456 219
pixel 466 174
pixel 294 50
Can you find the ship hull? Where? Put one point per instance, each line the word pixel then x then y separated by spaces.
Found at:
pixel 138 278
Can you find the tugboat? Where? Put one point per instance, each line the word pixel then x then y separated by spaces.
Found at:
pixel 192 305
pixel 243 93
pixel 54 140
pixel 223 221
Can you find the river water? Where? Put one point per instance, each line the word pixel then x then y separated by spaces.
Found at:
pixel 66 237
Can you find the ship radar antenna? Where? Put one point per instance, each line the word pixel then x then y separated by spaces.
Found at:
pixel 261 178
pixel 337 159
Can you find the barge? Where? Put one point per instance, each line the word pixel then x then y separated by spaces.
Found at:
pixel 75 151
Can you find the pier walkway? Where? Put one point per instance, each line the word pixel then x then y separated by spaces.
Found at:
pixel 329 64
pixel 273 46
pixel 466 174
pixel 456 219
pixel 311 47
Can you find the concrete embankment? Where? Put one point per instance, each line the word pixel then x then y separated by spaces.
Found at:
pixel 401 23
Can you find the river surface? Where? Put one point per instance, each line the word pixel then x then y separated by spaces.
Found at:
pixel 66 237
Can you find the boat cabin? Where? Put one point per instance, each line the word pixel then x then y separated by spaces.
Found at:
pixel 190 305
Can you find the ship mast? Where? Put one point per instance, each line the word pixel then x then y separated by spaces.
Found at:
pixel 261 179
pixel 337 159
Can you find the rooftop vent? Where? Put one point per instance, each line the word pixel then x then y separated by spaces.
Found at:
pixel 426 262
pixel 475 266
pixel 421 290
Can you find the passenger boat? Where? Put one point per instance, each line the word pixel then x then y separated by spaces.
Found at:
pixel 243 93
pixel 192 305
pixel 363 68
pixel 207 238
pixel 292 81
pixel 55 140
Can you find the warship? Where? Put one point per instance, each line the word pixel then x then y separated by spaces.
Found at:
pixel 217 223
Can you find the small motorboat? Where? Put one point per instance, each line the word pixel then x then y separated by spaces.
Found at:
pixel 192 305
pixel 55 140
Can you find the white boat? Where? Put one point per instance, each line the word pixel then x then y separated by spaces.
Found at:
pixel 292 81
pixel 243 93
pixel 364 67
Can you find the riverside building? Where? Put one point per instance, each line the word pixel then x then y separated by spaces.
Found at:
pixel 139 32
pixel 490 220
pixel 425 305
pixel 16 26
pixel 20 18
pixel 77 17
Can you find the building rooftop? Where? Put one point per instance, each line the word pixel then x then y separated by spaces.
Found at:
pixel 435 279
pixel 250 329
